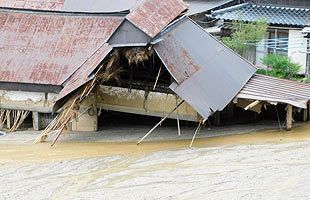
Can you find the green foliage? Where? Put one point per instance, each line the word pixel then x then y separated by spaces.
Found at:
pixel 280 66
pixel 244 33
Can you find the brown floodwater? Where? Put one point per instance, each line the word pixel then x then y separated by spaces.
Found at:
pixel 75 150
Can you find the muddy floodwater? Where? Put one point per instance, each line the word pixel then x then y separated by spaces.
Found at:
pixel 268 164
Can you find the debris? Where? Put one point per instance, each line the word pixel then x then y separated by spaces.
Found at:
pixel 17 117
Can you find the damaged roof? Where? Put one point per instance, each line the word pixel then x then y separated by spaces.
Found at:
pixel 270 89
pixel 47 48
pixel 82 75
pixel 152 16
pixel 272 14
pixel 207 74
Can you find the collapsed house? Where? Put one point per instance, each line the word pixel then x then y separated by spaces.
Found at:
pixel 65 61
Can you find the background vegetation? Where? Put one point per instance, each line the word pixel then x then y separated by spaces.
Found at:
pixel 244 33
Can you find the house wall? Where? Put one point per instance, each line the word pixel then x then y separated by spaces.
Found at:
pixel 297 46
pixel 22 100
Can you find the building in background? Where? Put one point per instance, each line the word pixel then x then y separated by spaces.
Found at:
pixel 286 19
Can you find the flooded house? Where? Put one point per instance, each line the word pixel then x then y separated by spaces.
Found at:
pixel 64 62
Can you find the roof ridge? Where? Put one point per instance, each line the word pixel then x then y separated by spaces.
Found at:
pixel 230 8
pixel 279 7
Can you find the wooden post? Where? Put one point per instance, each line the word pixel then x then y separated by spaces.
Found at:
pixel 289 117
pixel 36 121
pixel 305 115
pixel 308 112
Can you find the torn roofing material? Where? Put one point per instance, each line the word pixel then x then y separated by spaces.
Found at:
pixel 47 48
pixel 152 16
pixel 208 75
pixel 270 89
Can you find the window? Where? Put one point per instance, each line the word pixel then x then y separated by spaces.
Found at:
pixel 278 41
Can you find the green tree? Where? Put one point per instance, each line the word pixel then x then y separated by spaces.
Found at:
pixel 280 66
pixel 245 33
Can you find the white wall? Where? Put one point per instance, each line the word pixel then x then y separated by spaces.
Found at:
pixel 297 46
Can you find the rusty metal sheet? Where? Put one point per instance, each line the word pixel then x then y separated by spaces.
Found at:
pixel 47 48
pixel 152 16
pixel 208 75
pixel 82 75
pixel 33 4
pixel 270 89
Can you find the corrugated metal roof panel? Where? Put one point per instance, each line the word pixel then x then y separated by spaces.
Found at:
pixel 152 16
pixel 208 74
pixel 48 48
pixel 82 75
pixel 266 88
pixel 272 14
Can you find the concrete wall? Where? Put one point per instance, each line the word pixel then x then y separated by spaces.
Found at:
pixel 32 101
pixel 139 102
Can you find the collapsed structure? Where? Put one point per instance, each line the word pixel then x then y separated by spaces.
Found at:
pixel 64 61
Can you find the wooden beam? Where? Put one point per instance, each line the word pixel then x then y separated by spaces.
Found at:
pixel 289 117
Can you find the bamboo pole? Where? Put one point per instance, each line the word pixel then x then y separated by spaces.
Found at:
pixel 197 130
pixel 159 123
pixel 178 117
pixel 159 71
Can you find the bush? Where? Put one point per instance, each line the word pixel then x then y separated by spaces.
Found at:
pixel 280 66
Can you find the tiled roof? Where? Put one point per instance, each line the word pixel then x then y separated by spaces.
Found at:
pixel 272 14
